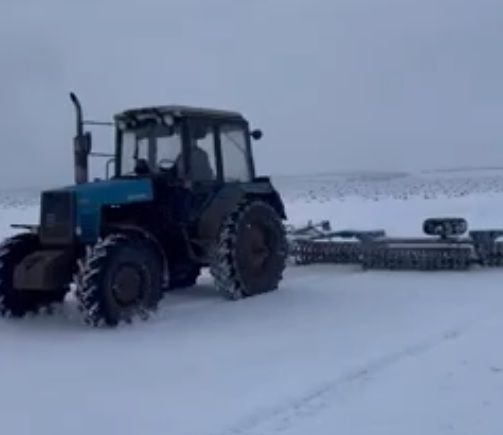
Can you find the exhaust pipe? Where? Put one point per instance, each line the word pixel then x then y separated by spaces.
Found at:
pixel 81 145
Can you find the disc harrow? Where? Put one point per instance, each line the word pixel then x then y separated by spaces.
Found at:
pixel 448 245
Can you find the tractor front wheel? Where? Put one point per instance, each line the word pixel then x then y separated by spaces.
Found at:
pixel 120 278
pixel 251 251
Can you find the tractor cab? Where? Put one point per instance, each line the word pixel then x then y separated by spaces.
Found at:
pixel 188 154
pixel 184 143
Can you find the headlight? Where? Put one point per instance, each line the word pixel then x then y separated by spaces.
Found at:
pixel 168 119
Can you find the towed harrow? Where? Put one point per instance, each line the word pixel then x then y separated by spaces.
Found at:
pixel 448 245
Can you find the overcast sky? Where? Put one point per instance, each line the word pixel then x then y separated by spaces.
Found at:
pixel 334 84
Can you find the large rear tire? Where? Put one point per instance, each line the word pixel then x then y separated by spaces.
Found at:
pixel 251 251
pixel 18 302
pixel 120 278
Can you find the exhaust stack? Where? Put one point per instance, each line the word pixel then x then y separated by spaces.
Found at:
pixel 81 145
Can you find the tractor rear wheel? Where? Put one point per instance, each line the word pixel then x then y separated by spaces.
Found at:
pixel 18 302
pixel 251 251
pixel 119 278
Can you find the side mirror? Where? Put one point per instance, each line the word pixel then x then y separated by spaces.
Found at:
pixel 256 134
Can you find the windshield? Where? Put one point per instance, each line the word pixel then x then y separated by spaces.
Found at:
pixel 234 153
pixel 158 150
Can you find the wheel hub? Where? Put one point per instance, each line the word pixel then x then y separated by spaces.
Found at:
pixel 127 285
pixel 258 249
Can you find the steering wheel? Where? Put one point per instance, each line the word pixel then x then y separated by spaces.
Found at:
pixel 161 162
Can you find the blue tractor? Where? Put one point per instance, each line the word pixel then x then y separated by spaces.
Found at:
pixel 183 195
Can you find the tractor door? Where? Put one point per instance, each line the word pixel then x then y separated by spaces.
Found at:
pixel 204 164
pixel 235 153
pixel 235 169
pixel 218 156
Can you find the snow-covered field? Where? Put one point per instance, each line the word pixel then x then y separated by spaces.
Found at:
pixel 335 351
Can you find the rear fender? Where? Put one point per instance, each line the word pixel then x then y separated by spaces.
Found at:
pixel 263 189
pixel 228 199
pixel 212 217
pixel 273 199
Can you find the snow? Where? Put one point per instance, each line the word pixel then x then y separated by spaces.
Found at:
pixel 335 350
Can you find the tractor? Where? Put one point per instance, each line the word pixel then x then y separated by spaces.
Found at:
pixel 180 194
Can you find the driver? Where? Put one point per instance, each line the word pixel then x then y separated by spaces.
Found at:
pixel 199 159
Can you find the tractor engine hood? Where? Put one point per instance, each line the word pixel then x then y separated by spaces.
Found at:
pixel 120 191
pixel 76 210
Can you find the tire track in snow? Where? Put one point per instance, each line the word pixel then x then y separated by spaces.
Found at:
pixel 282 417
pixel 175 305
pixel 178 303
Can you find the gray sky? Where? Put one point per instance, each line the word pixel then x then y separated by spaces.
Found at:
pixel 334 84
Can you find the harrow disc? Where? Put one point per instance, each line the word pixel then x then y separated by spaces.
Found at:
pixel 417 258
pixel 314 251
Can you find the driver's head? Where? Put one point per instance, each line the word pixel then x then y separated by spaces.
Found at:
pixel 199 132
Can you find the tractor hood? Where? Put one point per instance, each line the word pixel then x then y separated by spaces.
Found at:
pixel 119 191
pixel 78 207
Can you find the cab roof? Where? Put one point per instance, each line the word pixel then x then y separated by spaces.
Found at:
pixel 180 111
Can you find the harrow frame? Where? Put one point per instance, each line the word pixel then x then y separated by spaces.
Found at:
pixel 446 246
